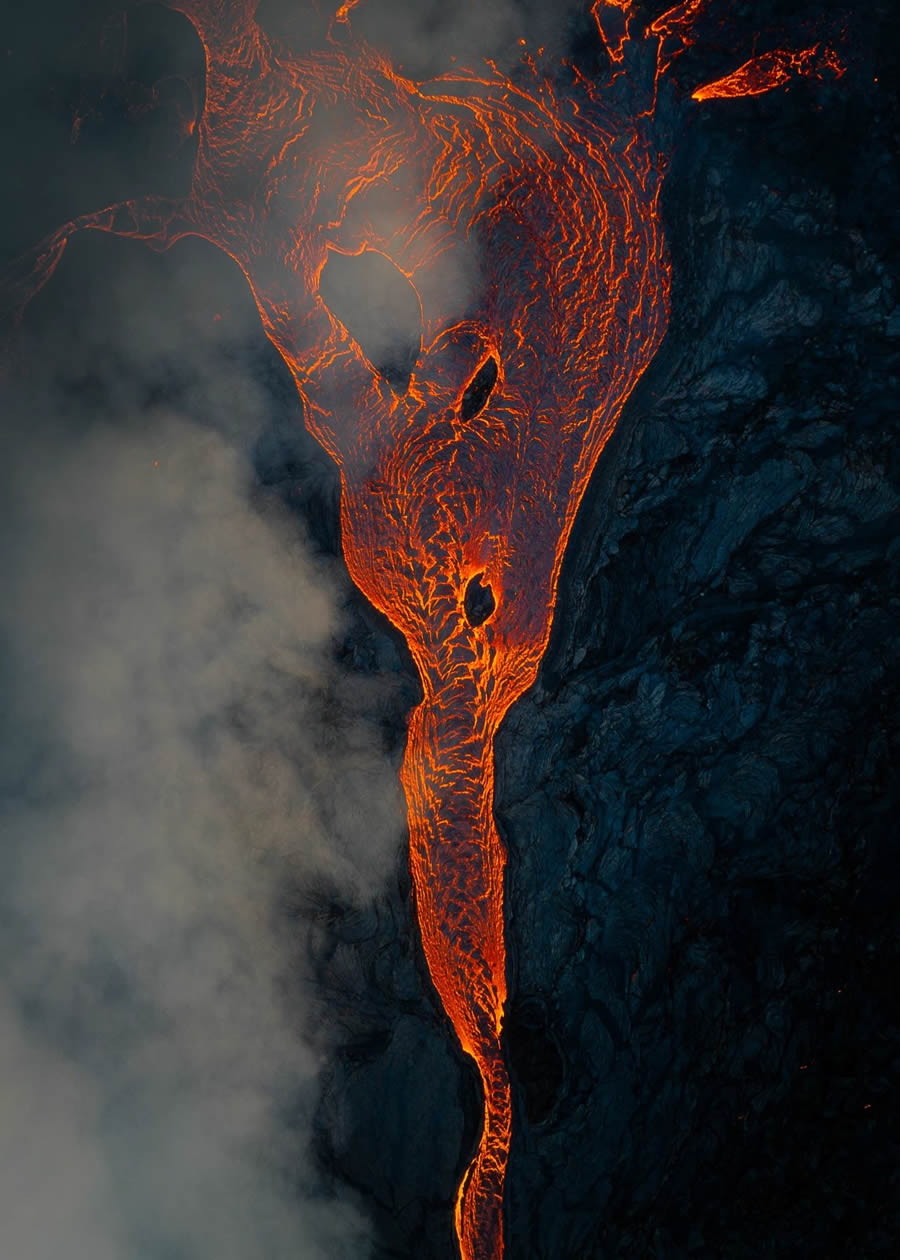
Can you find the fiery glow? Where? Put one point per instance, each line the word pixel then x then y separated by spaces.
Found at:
pixel 612 18
pixel 461 476
pixel 771 70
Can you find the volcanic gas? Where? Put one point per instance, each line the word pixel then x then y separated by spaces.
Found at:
pixel 465 448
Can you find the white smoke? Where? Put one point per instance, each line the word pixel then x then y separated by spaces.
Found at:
pixel 179 748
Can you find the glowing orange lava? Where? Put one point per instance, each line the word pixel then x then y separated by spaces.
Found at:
pixel 612 18
pixel 771 70
pixel 472 468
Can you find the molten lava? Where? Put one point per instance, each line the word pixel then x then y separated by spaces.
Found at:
pixel 771 70
pixel 464 459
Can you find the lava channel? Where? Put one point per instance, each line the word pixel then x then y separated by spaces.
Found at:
pixel 463 455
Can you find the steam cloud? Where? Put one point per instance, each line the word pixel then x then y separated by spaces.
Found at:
pixel 179 748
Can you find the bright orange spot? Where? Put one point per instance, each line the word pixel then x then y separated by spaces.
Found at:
pixel 343 13
pixel 772 70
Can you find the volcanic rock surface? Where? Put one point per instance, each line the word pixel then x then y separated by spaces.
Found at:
pixel 698 795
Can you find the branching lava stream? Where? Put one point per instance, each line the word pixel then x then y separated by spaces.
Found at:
pixel 462 471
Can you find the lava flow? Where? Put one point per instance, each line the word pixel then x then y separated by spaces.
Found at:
pixel 520 226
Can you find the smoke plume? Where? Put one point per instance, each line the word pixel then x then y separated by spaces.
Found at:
pixel 179 748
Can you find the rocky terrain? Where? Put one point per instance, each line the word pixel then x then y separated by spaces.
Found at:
pixel 699 795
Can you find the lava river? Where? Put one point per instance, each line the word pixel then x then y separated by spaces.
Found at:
pixel 464 452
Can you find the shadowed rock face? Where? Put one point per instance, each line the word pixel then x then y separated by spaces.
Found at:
pixel 698 793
